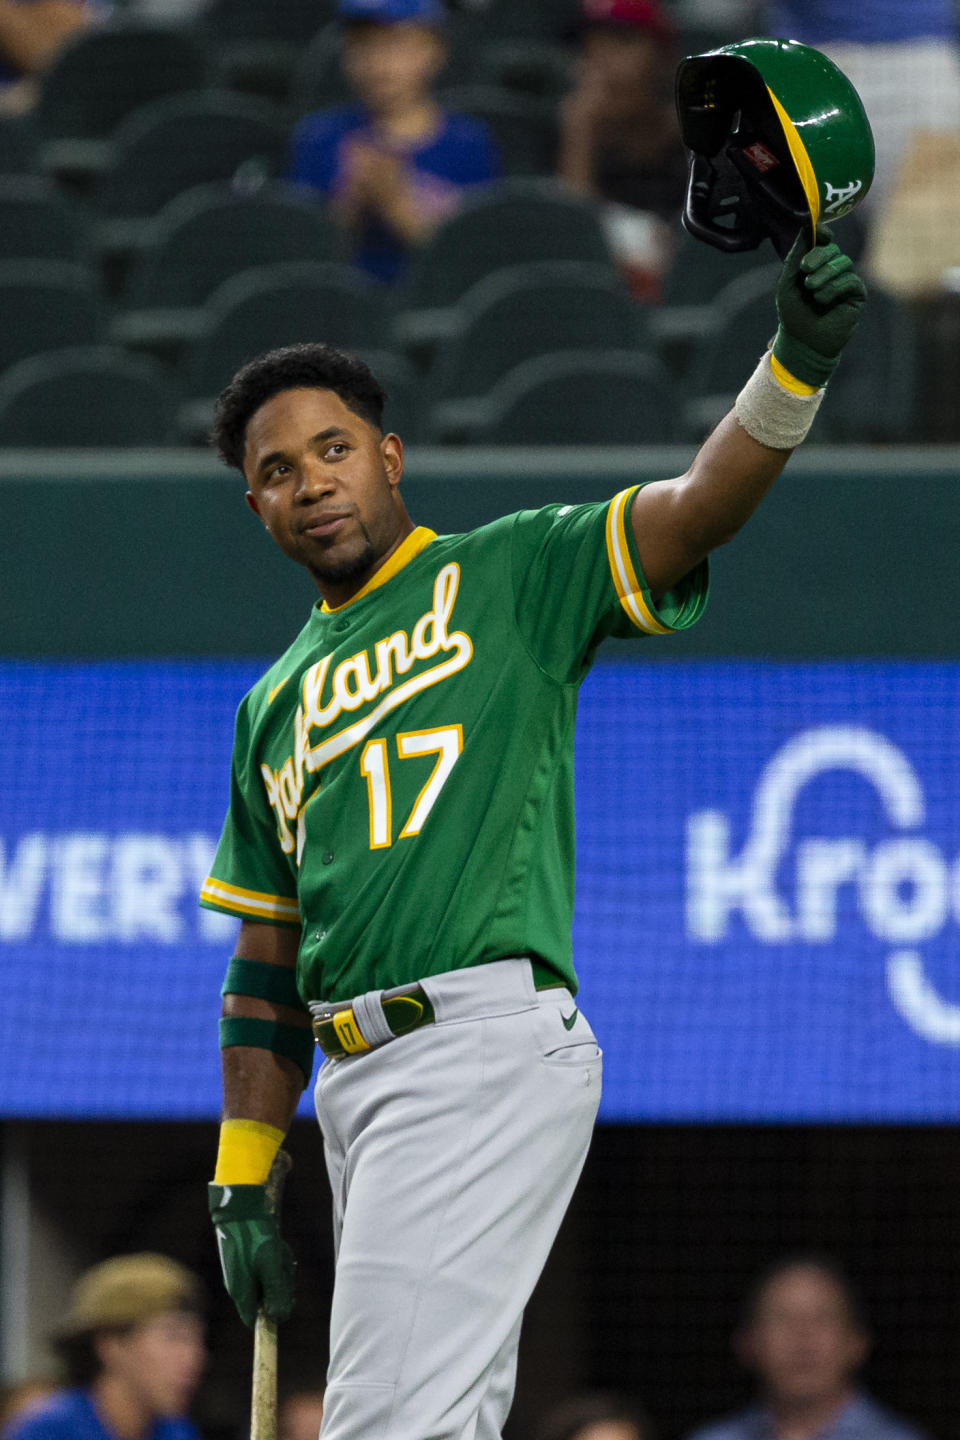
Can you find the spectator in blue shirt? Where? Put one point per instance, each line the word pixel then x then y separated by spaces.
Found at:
pixel 133 1343
pixel 805 1338
pixel 396 163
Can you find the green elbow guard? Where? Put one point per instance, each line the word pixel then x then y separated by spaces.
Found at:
pixel 292 1041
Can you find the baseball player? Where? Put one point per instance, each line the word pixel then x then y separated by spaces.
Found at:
pixel 400 849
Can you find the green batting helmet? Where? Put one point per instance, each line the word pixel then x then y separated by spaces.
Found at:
pixel 778 140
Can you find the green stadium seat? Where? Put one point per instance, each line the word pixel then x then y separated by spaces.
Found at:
pixel 277 305
pixel 85 396
pixel 18 145
pixel 697 274
pixel 255 46
pixel 524 127
pixel 98 77
pixel 580 398
pixel 871 397
pixel 735 330
pixel 37 222
pixel 46 305
pixel 403 411
pixel 511 222
pixel 202 238
pixel 542 68
pixel 521 312
pixel 172 144
pixel 518 19
pixel 318 79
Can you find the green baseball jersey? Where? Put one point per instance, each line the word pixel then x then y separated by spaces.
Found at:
pixel 402 778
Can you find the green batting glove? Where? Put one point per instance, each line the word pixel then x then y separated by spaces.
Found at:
pixel 257 1263
pixel 820 297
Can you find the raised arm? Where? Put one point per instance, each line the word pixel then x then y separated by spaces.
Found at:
pixel 677 522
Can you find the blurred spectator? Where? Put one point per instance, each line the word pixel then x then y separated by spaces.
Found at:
pixel 23 1396
pixel 619 135
pixel 903 59
pixel 804 1337
pixel 396 163
pixel 595 1415
pixel 31 33
pixel 300 1414
pixel 133 1346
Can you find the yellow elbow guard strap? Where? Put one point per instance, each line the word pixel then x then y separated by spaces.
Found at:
pixel 292 1041
pixel 246 1152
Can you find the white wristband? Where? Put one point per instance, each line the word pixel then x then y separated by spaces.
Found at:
pixel 772 414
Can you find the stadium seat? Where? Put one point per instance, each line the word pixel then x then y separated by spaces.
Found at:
pixel 734 332
pixel 403 411
pixel 871 398
pixel 172 144
pixel 319 80
pixel 255 46
pixel 521 312
pixel 46 305
pixel 540 68
pixel 580 398
pixel 696 276
pixel 524 127
pixel 510 222
pixel 98 78
pixel 85 396
pixel 518 19
pixel 202 238
pixel 276 305
pixel 18 145
pixel 37 222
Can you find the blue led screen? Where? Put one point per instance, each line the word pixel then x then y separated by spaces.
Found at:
pixel 767 909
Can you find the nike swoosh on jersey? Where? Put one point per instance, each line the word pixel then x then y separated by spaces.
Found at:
pixel 570 1020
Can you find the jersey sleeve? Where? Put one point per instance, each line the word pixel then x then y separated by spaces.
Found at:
pixel 252 875
pixel 577 579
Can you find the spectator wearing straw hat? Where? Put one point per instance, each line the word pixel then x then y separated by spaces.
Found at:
pixel 133 1345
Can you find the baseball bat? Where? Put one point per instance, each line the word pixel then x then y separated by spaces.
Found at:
pixel 263 1398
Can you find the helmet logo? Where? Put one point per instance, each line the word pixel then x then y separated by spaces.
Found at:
pixel 760 157
pixel 840 195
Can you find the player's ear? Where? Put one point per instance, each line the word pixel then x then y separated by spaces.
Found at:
pixel 251 500
pixel 391 453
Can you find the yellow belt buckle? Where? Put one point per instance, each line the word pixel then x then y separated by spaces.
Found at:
pixel 348 1032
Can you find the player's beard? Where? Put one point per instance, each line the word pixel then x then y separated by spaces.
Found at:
pixel 350 567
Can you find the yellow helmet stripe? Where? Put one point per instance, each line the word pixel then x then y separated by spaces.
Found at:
pixel 798 151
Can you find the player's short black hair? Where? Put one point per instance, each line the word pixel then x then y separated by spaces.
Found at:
pixel 293 367
pixel 824 1264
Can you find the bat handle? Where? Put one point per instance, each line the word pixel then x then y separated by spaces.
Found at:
pixel 263 1406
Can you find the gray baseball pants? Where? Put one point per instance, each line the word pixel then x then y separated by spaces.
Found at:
pixel 452 1154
